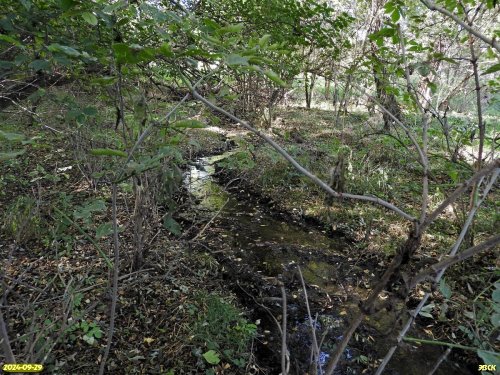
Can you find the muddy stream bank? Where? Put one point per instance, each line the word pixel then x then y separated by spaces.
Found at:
pixel 259 249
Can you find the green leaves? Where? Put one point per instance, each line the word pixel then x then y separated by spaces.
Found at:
pixel 393 8
pixel 10 39
pixel 383 32
pixel 495 296
pixel 264 40
pixel 67 4
pixel 275 78
pixel 444 289
pixel 111 8
pixel 89 18
pixel 166 50
pixel 172 226
pixel 492 69
pixel 231 29
pixel 91 331
pixel 12 137
pixel 105 80
pixel 386 32
pixel 103 230
pixel 235 59
pixel 427 310
pixel 132 53
pixel 85 212
pixel 108 152
pixel 69 51
pixel 495 320
pixel 489 358
pixel 10 155
pixel 27 4
pixel 212 357
pixel 38 65
pixel 423 70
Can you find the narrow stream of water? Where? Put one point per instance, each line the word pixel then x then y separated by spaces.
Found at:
pixel 273 246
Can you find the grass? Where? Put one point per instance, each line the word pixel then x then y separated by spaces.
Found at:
pixel 378 165
pixel 220 327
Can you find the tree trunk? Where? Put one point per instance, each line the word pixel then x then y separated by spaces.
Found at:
pixel 388 100
pixel 309 85
pixel 380 75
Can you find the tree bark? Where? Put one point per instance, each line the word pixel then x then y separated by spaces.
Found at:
pixel 387 100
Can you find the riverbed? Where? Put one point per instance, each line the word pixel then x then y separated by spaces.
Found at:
pixel 273 245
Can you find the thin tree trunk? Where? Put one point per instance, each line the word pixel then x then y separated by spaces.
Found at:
pixel 307 92
pixel 387 100
pixel 481 125
pixel 114 290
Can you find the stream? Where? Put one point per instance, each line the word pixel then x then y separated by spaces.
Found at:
pixel 253 235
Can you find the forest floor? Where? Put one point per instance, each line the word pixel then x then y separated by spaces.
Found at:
pixel 178 308
pixel 383 169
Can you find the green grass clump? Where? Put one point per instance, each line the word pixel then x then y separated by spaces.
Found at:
pixel 221 328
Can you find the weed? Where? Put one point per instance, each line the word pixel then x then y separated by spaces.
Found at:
pixel 22 219
pixel 221 328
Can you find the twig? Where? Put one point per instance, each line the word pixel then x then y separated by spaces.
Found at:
pixel 80 229
pixel 439 361
pixel 311 325
pixel 432 6
pixel 402 334
pixel 114 295
pixel 122 277
pixel 358 318
pixel 4 340
pixel 486 170
pixel 451 260
pixel 438 277
pixel 148 130
pixel 442 343
pixel 67 307
pixel 284 351
pixel 481 125
pixel 263 306
pixel 209 222
pixel 17 280
pixel 409 133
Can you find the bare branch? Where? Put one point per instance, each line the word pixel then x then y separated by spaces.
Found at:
pixel 409 133
pixel 454 196
pixel 440 360
pixel 311 325
pixel 451 260
pixel 453 251
pixel 4 340
pixel 323 185
pixel 148 130
pixel 284 350
pixel 481 124
pixel 358 318
pixel 114 291
pixel 432 6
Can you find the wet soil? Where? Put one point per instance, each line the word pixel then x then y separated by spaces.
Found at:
pixel 261 250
